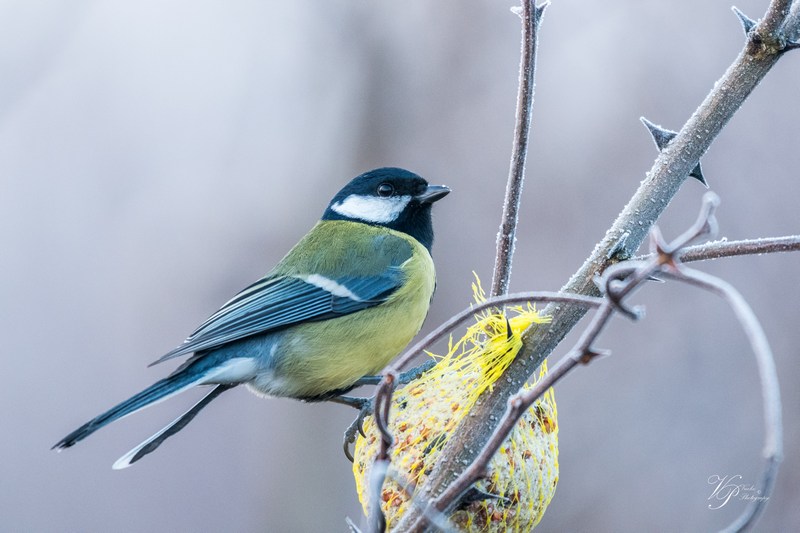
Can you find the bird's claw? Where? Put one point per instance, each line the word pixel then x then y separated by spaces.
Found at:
pixel 357 427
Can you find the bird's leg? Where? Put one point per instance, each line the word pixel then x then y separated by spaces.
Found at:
pixel 353 401
pixel 368 380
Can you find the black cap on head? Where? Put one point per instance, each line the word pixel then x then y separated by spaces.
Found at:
pixel 391 197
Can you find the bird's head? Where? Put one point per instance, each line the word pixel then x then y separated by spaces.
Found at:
pixel 389 197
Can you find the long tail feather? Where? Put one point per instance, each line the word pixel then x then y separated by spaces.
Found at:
pixel 175 426
pixel 157 392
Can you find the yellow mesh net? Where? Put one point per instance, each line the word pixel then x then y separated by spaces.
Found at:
pixel 425 412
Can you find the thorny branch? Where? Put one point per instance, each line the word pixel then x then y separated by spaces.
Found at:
pixel 664 179
pixel 619 282
pixel 766 42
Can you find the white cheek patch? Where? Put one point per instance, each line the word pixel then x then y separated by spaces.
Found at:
pixel 372 208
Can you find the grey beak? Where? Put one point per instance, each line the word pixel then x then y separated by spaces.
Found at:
pixel 433 193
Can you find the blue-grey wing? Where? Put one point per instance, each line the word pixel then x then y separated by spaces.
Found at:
pixel 273 303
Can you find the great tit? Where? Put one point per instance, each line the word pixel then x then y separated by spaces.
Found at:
pixel 338 307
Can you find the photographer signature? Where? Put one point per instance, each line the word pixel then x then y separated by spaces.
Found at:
pixel 727 488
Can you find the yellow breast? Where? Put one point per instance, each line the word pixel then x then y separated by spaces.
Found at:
pixel 324 356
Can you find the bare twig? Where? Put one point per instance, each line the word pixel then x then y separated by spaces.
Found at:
pixel 664 179
pixel 506 238
pixel 723 248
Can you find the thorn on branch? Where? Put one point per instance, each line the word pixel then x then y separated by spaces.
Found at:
pixel 791 46
pixel 662 137
pixel 538 11
pixel 747 23
pixel 590 354
pixel 618 249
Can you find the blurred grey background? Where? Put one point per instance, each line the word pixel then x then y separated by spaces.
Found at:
pixel 156 157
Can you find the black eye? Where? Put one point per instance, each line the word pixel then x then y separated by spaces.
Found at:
pixel 385 189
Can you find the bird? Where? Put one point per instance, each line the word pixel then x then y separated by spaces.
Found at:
pixel 342 303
